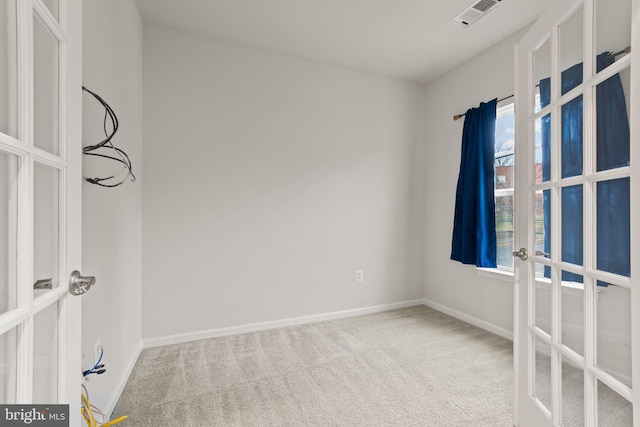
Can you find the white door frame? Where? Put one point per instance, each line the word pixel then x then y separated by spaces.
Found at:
pixel 73 322
pixel 526 411
pixel 67 29
pixel 634 118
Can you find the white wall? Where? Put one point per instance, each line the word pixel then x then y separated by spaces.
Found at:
pixel 268 181
pixel 112 228
pixel 8 71
pixel 449 284
pixel 459 289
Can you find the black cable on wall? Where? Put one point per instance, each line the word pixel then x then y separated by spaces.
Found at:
pixel 106 146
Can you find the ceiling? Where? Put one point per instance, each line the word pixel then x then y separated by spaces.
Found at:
pixel 415 40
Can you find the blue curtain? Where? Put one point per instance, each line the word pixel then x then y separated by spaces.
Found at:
pixel 613 219
pixel 474 225
pixel 612 150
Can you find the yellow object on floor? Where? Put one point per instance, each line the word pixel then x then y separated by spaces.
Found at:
pixel 87 413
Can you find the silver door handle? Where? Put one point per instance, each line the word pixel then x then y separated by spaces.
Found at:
pixel 43 284
pixel 79 285
pixel 544 254
pixel 522 254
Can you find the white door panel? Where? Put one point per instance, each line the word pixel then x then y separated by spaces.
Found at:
pixel 576 308
pixel 40 189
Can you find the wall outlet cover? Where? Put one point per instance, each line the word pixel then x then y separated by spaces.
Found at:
pixel 97 350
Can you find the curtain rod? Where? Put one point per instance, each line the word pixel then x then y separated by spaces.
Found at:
pixel 618 53
pixel 459 116
pixel 623 51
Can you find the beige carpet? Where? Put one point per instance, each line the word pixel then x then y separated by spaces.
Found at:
pixel 613 409
pixel 409 367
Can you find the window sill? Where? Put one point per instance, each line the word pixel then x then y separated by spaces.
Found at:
pixel 496 273
pixel 568 288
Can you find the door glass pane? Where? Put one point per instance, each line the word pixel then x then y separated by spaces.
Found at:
pixel 45 87
pixel 572 394
pixel 612 122
pixel 614 332
pixel 542 155
pixel 542 214
pixel 45 355
pixel 46 233
pixel 8 230
pixel 542 75
pixel 543 294
pixel 52 5
pixel 571 143
pixel 613 409
pixel 572 229
pixel 571 51
pixel 572 305
pixel 8 347
pixel 504 231
pixel 613 222
pixel 8 69
pixel 543 373
pixel 613 27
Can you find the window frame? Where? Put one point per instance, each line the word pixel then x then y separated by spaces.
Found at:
pixel 503 111
pixel 505 273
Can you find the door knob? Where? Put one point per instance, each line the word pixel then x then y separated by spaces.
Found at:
pixel 43 284
pixel 522 254
pixel 78 284
pixel 544 254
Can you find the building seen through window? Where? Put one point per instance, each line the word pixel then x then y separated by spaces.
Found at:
pixel 505 183
pixel 504 180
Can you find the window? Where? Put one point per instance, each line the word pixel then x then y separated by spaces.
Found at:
pixel 504 182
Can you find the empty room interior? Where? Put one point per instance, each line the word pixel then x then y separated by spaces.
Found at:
pixel 283 245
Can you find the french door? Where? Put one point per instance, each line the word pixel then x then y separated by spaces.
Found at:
pixel 577 302
pixel 40 187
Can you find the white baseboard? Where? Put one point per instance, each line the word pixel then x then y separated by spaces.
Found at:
pixel 124 379
pixel 254 327
pixel 504 333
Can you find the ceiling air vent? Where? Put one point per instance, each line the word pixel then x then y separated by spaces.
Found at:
pixel 476 11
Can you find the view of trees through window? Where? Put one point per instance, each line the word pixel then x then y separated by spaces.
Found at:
pixel 505 180
pixel 504 177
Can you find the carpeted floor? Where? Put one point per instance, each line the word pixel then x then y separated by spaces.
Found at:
pixel 613 409
pixel 409 367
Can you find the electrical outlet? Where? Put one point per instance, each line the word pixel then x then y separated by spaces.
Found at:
pixel 359 275
pixel 97 350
